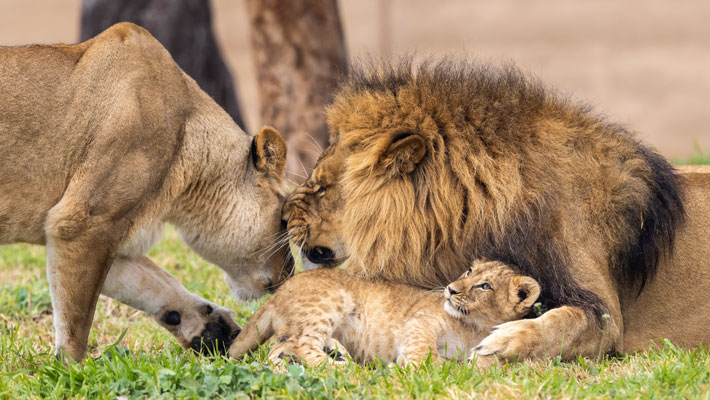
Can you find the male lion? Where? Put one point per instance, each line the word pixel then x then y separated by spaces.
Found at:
pixel 104 141
pixel 432 166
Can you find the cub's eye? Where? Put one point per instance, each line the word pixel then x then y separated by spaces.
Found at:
pixel 485 286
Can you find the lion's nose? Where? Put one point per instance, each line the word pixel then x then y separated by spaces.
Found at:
pixel 319 255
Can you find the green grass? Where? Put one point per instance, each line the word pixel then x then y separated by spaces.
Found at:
pixel 131 356
pixel 698 157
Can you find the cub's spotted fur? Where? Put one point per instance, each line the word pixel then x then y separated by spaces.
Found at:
pixel 368 320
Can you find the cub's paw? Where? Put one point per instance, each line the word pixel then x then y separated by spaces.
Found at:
pixel 281 356
pixel 516 340
pixel 336 351
pixel 204 327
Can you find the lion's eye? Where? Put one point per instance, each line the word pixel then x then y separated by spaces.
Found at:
pixel 469 272
pixel 485 286
pixel 320 190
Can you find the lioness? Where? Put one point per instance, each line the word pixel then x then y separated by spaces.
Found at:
pixel 103 142
pixel 432 166
pixel 371 320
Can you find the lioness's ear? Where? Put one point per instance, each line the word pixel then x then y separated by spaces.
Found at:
pixel 404 152
pixel 268 151
pixel 525 291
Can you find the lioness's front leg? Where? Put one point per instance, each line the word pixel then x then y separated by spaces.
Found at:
pixel 195 322
pixel 75 273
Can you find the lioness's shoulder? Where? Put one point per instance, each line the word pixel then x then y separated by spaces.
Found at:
pixel 125 36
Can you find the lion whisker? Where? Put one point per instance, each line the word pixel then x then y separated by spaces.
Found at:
pixel 304 167
pixel 320 149
pixel 274 246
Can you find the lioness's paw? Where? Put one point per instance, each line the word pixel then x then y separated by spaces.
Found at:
pixel 219 330
pixel 204 327
pixel 516 340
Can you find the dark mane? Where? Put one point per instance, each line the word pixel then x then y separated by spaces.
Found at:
pixel 664 213
pixel 459 85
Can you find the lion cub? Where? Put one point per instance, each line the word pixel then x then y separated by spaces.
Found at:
pixel 323 309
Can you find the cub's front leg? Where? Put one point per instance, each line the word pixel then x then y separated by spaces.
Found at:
pixel 196 323
pixel 420 341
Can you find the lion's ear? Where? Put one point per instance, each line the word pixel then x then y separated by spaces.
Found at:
pixel 524 291
pixel 403 153
pixel 268 151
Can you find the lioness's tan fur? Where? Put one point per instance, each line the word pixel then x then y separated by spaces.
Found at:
pixel 447 161
pixel 371 320
pixel 101 143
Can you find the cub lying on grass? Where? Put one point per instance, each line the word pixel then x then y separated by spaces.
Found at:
pixel 318 310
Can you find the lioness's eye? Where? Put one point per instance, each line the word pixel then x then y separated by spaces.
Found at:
pixel 320 189
pixel 485 286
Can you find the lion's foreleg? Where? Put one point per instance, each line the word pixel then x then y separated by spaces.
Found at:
pixel 194 321
pixel 567 332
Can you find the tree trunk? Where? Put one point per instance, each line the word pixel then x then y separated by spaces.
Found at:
pixel 299 54
pixel 184 27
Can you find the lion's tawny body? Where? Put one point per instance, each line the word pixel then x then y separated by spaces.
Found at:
pixel 435 164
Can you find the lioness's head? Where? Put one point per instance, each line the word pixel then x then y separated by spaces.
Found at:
pixel 490 293
pixel 231 215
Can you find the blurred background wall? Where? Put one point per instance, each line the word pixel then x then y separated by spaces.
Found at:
pixel 645 63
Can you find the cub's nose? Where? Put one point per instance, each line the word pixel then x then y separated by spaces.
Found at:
pixel 451 291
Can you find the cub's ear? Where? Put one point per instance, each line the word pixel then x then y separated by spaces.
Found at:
pixel 524 291
pixel 268 151
pixel 403 153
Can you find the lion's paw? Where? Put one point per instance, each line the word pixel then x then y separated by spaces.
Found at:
pixel 516 340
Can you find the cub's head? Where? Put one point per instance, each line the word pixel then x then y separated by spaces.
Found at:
pixel 490 293
pixel 231 214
